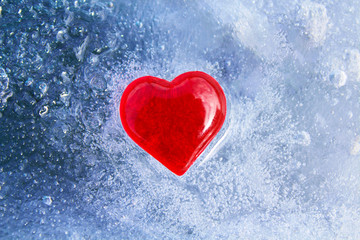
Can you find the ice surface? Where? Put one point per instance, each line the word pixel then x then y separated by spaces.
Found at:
pixel 286 165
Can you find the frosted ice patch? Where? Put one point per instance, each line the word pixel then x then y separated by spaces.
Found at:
pixel 5 92
pixel 320 120
pixel 303 138
pixel 80 51
pixel 355 148
pixel 69 18
pixel 4 81
pixel 353 64
pixel 252 28
pixel 313 18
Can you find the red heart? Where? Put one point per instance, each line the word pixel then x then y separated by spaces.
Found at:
pixel 173 121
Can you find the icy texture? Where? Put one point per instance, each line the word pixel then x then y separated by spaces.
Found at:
pixel 285 166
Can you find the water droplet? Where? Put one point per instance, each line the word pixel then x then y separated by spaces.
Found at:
pixel 94 58
pixel 47 200
pixel 65 93
pixel 65 77
pixel 139 24
pixel 43 111
pixel 4 97
pixel 29 82
pixel 43 88
pixel 48 48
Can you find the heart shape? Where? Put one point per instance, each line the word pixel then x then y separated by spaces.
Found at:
pixel 173 121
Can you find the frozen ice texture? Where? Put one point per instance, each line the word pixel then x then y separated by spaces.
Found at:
pixel 313 18
pixel 286 165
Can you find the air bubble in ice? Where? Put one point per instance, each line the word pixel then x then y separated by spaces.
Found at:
pixel 338 78
pixel 98 82
pixel 303 138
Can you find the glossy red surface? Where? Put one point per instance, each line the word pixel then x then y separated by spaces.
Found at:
pixel 173 121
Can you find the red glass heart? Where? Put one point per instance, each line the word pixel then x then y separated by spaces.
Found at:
pixel 173 121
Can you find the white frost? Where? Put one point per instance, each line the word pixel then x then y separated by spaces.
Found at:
pixel 313 18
